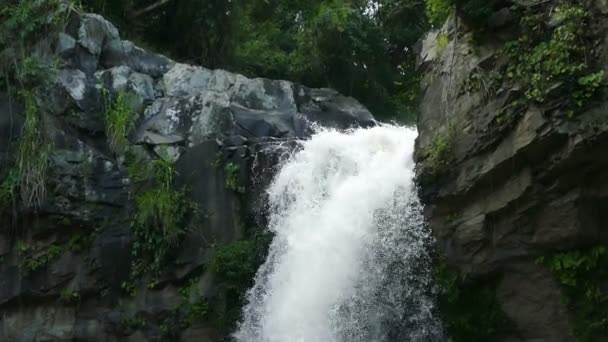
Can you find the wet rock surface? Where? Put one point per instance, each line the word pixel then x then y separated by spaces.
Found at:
pixel 519 183
pixel 63 266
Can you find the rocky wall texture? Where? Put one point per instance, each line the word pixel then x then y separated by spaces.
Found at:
pixel 512 164
pixel 67 258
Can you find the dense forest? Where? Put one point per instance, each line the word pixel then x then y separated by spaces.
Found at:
pixel 363 48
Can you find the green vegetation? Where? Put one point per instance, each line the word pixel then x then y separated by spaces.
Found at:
pixel 32 160
pixel 193 308
pixel 438 11
pixel 340 44
pixel 33 259
pixel 469 309
pixel 9 189
pixel 26 27
pixel 159 221
pixel 437 155
pixel 119 120
pixel 134 323
pixel 232 173
pixel 550 62
pixel 583 275
pixel 69 297
pixel 196 307
pixel 235 266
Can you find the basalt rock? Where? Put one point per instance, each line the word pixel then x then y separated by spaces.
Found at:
pixel 64 264
pixel 518 182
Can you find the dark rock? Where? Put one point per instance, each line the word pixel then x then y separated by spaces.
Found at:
pixel 124 53
pixel 330 109
pixel 94 32
pixel 520 182
pixel 66 45
pixel 83 224
pixel 11 121
pixel 501 18
pixel 197 169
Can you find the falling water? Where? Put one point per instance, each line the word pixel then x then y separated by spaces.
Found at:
pixel 349 261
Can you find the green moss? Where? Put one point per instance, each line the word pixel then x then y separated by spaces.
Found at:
pixel 469 309
pixel 69 297
pixel 442 41
pixel 437 11
pixel 583 275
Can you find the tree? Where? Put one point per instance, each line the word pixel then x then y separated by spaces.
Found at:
pixel 362 48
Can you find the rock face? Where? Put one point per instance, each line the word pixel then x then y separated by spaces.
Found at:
pixel 63 266
pixel 505 184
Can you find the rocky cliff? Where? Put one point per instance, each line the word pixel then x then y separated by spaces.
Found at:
pixel 512 155
pixel 131 186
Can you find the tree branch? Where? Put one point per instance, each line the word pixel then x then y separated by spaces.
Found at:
pixel 150 8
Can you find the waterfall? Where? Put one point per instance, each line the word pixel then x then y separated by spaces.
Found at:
pixel 350 257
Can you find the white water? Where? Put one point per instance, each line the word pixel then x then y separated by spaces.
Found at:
pixel 349 261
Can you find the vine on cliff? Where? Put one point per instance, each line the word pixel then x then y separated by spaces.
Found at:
pixel 469 309
pixel 26 31
pixel 583 275
pixel 159 222
pixel 235 266
pixel 554 68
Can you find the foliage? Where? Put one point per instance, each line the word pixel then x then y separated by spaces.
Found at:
pixel 437 11
pixel 469 309
pixel 341 44
pixel 196 308
pixel 159 221
pixel 23 24
pixel 33 260
pixel 437 155
pixel 554 67
pixel 32 159
pixel 193 308
pixel 26 27
pixel 232 174
pixel 583 275
pixel 119 120
pixel 235 266
pixel 9 189
pixel 69 297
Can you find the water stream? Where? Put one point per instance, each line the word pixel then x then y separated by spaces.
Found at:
pixel 350 257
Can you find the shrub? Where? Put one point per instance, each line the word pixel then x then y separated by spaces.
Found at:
pixel 554 67
pixel 469 309
pixel 438 11
pixel 233 183
pixel 235 266
pixel 159 221
pixel 119 120
pixel 437 155
pixel 583 275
